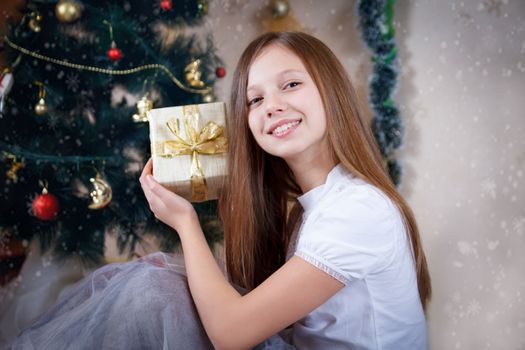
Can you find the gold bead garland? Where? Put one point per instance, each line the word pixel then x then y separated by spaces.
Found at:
pixel 105 70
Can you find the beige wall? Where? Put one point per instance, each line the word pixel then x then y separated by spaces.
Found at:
pixel 460 92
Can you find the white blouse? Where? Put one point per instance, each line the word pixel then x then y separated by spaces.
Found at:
pixel 352 231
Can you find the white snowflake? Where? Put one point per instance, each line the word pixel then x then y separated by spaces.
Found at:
pixel 473 308
pixel 519 225
pixel 491 245
pixel 467 249
pixel 47 261
pixel 72 82
pixel 53 121
pixel 488 186
pixel 4 240
pixel 521 67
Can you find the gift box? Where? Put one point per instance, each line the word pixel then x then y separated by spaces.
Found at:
pixel 188 147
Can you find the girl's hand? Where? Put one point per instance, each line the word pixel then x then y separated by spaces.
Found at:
pixel 168 207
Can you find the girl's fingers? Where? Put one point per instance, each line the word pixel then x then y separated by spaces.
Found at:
pixel 147 193
pixel 154 185
pixel 155 201
pixel 148 170
pixel 149 166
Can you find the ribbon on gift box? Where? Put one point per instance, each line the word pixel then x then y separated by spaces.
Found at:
pixel 208 140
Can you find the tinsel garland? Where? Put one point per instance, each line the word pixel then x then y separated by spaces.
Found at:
pixel 376 22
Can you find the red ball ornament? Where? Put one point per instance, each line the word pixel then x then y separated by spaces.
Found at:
pixel 220 72
pixel 166 5
pixel 114 53
pixel 45 206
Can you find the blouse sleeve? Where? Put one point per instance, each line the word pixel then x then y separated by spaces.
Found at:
pixel 352 236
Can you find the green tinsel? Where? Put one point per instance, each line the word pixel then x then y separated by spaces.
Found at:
pixel 376 19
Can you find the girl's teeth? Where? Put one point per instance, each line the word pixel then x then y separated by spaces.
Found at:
pixel 285 127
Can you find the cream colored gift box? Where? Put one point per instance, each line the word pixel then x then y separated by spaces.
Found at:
pixel 188 147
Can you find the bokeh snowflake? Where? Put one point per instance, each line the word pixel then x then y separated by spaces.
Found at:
pixel 4 239
pixel 519 225
pixel 72 82
pixel 53 120
pixel 488 186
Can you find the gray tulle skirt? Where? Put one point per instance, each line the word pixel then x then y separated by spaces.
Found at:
pixel 141 304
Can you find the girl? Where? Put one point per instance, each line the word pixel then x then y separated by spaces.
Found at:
pixel 353 275
pixel 321 250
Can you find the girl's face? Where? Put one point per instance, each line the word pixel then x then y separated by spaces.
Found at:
pixel 286 114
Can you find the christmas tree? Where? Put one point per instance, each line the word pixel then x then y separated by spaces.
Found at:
pixel 81 76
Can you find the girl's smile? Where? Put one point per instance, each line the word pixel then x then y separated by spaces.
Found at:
pixel 284 127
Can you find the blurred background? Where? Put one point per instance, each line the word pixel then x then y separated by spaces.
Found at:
pixel 461 67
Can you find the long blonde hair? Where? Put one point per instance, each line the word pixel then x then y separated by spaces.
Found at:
pixel 255 202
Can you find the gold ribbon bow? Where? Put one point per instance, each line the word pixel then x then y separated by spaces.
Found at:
pixel 208 140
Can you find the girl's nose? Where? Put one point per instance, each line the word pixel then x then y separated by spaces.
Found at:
pixel 274 105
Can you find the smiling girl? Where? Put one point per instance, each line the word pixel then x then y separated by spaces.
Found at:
pixel 322 252
pixel 344 268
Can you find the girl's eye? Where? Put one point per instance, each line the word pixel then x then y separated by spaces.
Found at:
pixel 254 101
pixel 292 84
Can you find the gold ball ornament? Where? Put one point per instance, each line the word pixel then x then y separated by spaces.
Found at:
pixel 41 107
pixel 101 194
pixel 143 107
pixel 280 8
pixel 68 11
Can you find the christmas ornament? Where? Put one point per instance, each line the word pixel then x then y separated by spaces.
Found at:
pixel 45 206
pixel 280 18
pixel 6 83
pixel 114 53
pixel 220 72
pixel 34 21
pixel 280 8
pixel 41 107
pixel 208 98
pixel 193 74
pixel 202 7
pixel 166 5
pixel 101 194
pixel 68 11
pixel 143 106
pixel 15 166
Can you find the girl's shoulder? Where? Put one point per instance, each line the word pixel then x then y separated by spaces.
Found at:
pixel 353 231
pixel 352 197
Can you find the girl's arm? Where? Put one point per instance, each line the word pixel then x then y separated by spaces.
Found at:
pixel 233 321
